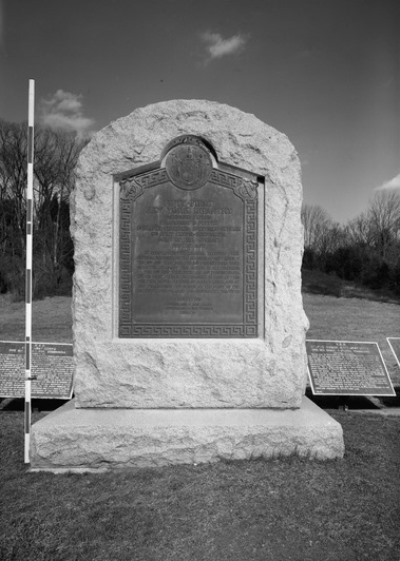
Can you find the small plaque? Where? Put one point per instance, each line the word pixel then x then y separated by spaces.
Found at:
pixel 394 344
pixel 52 368
pixel 347 368
pixel 188 248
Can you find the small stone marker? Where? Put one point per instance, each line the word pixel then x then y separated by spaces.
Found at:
pixel 52 369
pixel 394 344
pixel 347 368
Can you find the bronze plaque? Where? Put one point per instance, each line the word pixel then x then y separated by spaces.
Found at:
pixel 347 368
pixel 188 249
pixel 52 370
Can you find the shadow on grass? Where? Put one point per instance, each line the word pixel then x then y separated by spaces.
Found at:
pixel 355 402
pixel 38 405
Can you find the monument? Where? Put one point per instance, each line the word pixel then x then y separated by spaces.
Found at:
pixel 189 329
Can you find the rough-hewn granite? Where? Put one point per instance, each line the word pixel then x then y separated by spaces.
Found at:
pixel 93 439
pixel 144 373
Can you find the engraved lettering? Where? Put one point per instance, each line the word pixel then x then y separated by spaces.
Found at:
pixel 188 259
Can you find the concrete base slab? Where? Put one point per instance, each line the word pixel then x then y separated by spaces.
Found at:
pixel 71 439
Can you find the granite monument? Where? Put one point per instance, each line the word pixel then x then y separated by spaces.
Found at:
pixel 189 328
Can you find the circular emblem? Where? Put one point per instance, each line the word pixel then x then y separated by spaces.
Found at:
pixel 188 166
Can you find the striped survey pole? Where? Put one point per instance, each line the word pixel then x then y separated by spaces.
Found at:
pixel 28 270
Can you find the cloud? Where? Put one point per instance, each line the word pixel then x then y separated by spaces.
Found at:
pixel 217 46
pixel 64 110
pixel 391 184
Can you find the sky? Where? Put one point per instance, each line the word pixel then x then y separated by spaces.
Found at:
pixel 324 72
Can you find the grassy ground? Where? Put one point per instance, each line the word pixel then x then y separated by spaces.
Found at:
pixel 52 319
pixel 354 319
pixel 351 319
pixel 289 510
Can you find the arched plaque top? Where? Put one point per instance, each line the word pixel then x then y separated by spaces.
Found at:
pixel 190 139
pixel 189 162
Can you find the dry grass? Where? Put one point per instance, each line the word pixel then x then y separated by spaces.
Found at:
pixel 351 319
pixel 355 319
pixel 279 510
pixel 52 319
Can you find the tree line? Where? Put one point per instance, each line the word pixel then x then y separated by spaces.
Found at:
pixel 55 157
pixel 365 250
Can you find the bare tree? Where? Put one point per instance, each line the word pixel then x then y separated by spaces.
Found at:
pixel 316 223
pixel 359 231
pixel 384 220
pixel 13 142
pixel 55 157
pixel 366 250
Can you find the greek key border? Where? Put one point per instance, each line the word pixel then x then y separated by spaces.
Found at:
pixel 133 187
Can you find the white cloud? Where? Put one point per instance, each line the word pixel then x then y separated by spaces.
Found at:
pixel 64 110
pixel 393 183
pixel 218 47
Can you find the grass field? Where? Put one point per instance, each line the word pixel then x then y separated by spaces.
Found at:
pixel 280 510
pixel 52 319
pixel 355 319
pixel 351 319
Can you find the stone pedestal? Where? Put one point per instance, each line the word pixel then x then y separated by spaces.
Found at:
pixel 71 439
pixel 189 328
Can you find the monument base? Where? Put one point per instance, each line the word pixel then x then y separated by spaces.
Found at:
pixel 71 439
